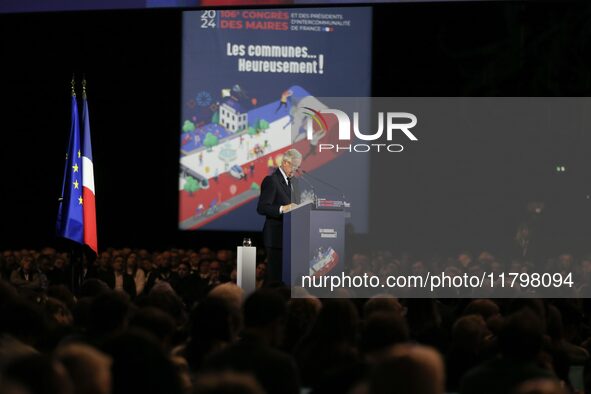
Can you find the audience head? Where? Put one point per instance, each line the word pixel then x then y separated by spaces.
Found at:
pixel 162 296
pixel 468 334
pixel 62 293
pixel 132 261
pixel 483 307
pixel 264 312
pixel 337 322
pixel 521 335
pixel 146 264
pixel 214 319
pixel 535 305
pixel 88 368
pixel 205 253
pixel 58 312
pixel 118 263
pixel 12 349
pixel 301 315
pixel 228 292
pixel 223 255
pixel 381 331
pixel 23 320
pixel 104 260
pixel 155 321
pixel 214 270
pixel 35 374
pixel 541 386
pixel 382 303
pixel 261 270
pixel 409 369
pixel 108 313
pixel 194 260
pixel 92 288
pixel 204 266
pixel 27 264
pixel 184 269
pixel 226 383
pixel 140 365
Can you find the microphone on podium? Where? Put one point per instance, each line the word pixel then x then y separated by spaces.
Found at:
pixel 301 172
pixel 304 172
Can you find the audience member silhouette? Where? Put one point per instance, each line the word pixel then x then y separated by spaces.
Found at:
pixel 256 352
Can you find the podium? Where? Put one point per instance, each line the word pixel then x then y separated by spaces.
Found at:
pixel 313 242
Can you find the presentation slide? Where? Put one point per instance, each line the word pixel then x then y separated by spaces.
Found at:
pixel 247 77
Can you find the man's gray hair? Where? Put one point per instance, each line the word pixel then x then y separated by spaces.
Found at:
pixel 292 155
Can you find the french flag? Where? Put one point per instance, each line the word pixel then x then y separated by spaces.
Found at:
pixel 88 193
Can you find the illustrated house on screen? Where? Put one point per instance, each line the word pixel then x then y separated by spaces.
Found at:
pixel 232 116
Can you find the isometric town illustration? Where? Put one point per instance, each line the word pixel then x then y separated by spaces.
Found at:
pixel 232 142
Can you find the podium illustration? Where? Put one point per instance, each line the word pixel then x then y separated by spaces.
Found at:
pixel 313 241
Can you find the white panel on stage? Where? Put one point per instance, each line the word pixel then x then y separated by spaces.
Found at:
pixel 247 261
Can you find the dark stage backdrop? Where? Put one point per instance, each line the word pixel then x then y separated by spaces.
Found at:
pixel 132 63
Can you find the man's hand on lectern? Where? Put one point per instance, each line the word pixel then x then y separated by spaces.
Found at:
pixel 287 208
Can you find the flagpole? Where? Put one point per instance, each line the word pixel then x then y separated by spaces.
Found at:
pixel 83 251
pixel 61 197
pixel 76 250
pixel 74 275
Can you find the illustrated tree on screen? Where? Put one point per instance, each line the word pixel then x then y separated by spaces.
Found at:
pixel 252 131
pixel 188 126
pixel 215 119
pixel 210 141
pixel 191 185
pixel 262 125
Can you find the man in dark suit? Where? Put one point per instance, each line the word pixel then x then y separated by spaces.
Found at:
pixel 118 279
pixel 277 190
